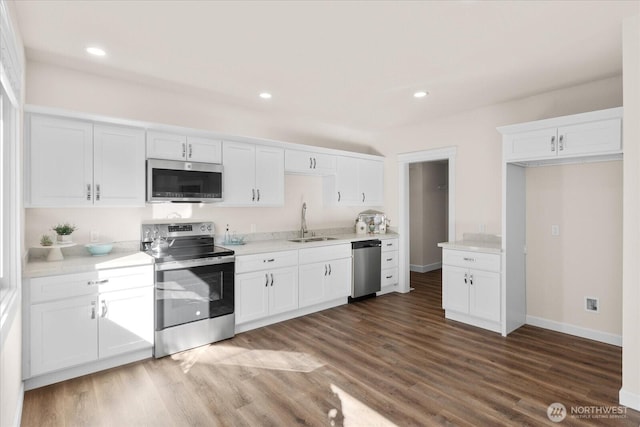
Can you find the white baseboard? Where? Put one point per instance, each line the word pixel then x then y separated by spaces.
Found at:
pixel 578 331
pixel 425 268
pixel 630 400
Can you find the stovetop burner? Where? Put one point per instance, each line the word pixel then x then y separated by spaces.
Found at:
pixel 186 241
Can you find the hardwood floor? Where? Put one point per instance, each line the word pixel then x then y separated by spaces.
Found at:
pixel 384 361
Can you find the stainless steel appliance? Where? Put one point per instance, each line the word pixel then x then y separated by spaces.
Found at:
pixel 194 286
pixel 366 269
pixel 185 182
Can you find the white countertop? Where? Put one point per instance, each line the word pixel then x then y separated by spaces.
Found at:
pixel 84 263
pixel 263 246
pixel 476 242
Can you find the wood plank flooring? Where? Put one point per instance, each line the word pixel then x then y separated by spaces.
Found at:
pixel 392 360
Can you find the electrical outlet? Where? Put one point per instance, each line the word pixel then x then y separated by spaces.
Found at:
pixel 592 304
pixel 555 230
pixel 95 236
pixel 253 228
pixel 482 228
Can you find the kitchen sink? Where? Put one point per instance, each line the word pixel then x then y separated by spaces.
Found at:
pixel 311 239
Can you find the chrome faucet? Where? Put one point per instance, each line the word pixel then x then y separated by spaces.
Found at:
pixel 303 220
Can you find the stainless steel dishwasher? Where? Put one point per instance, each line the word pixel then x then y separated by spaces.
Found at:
pixel 366 269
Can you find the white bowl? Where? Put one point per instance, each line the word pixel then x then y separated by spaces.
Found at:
pixel 98 249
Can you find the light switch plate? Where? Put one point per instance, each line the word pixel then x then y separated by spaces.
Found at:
pixel 555 230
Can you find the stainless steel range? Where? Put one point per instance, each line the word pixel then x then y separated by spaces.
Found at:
pixel 194 286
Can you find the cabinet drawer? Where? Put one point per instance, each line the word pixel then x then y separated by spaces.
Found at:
pixel 265 261
pixel 324 253
pixel 470 259
pixel 389 276
pixel 389 259
pixel 119 279
pixel 52 288
pixel 389 245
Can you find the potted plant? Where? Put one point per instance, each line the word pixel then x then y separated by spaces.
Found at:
pixel 64 232
pixel 45 240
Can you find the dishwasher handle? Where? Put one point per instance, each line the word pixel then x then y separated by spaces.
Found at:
pixel 366 244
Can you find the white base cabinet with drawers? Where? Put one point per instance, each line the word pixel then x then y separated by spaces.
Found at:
pixel 471 288
pixel 389 266
pixel 73 321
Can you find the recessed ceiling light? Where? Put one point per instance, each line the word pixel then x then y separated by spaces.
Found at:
pixel 420 94
pixel 96 51
pixel 265 95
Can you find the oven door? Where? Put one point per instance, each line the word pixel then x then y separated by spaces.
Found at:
pixel 188 291
pixel 176 181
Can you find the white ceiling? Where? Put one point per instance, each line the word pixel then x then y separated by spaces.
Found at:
pixel 352 65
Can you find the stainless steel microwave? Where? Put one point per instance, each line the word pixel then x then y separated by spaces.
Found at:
pixel 186 182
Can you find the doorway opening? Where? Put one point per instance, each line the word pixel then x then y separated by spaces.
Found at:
pixel 442 156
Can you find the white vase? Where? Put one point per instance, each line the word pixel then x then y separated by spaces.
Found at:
pixel 64 238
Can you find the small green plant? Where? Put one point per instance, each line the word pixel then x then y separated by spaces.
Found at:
pixel 45 240
pixel 64 229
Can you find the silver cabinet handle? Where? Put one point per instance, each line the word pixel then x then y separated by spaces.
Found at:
pixel 190 150
pixel 389 259
pixel 310 162
pixel 266 281
pixel 253 194
pixel 184 150
pixel 93 310
pixel 269 260
pixel 258 191
pixel 389 277
pixel 362 197
pixel 97 282
pixel 553 143
pixel 105 309
pixel 314 162
pixel 98 192
pixel 471 279
pixel 325 269
pixel 465 278
pixel 271 279
pixel 339 196
pixel 329 269
pixel 89 192
pixel 561 143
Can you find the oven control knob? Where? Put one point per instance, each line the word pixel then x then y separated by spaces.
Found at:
pixel 202 228
pixel 209 227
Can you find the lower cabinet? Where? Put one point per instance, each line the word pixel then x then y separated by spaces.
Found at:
pixel 325 274
pixel 80 318
pixel 471 288
pixel 266 293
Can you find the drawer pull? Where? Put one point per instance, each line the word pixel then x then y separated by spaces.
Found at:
pixel 469 259
pixel 389 277
pixel 269 260
pixel 389 259
pixel 97 282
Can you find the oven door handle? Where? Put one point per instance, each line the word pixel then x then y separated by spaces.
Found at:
pixel 180 265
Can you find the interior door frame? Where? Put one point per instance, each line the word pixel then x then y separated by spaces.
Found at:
pixel 404 228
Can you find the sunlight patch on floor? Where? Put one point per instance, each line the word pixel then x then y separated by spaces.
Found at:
pixel 355 413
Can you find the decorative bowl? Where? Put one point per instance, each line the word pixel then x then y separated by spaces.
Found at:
pixel 98 249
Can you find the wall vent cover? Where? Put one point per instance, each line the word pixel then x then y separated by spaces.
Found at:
pixel 591 304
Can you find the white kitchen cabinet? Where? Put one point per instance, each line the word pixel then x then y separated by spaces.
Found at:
pixel 389 263
pixel 73 163
pixel 309 162
pixel 471 288
pixel 163 145
pixel 581 135
pixel 76 319
pixel 253 175
pixel 266 284
pixel 357 182
pixel 324 274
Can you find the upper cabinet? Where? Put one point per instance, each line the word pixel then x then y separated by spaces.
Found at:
pixel 73 163
pixel 309 163
pixel 357 182
pixel 597 133
pixel 253 174
pixel 161 145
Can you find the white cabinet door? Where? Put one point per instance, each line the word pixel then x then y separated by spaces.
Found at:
pixel 269 176
pixel 309 163
pixel 63 333
pixel 168 146
pixel 126 321
pixel 346 181
pixel 204 150
pixel 338 280
pixel 252 296
pixel 283 290
pixel 311 281
pixel 370 182
pixel 484 295
pixel 587 138
pixel 455 289
pixel 239 161
pixel 61 162
pixel 118 159
pixel 532 145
